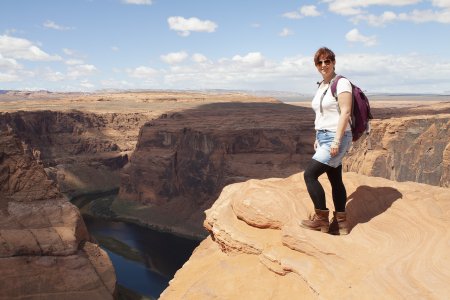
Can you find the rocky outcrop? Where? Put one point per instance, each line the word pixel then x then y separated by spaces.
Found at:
pixel 45 249
pixel 83 152
pixel 415 148
pixel 184 159
pixel 397 247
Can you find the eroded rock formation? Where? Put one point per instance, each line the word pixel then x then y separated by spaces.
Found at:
pixel 184 159
pixel 414 148
pixel 45 249
pixel 83 152
pixel 193 145
pixel 397 247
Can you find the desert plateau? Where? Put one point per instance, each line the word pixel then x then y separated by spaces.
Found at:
pixel 224 169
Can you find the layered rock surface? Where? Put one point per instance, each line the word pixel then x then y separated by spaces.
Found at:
pixel 83 152
pixel 413 148
pixel 397 247
pixel 84 140
pixel 45 249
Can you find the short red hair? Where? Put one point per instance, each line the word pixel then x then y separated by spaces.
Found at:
pixel 324 52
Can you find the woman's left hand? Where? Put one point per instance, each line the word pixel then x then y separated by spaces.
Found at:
pixel 334 150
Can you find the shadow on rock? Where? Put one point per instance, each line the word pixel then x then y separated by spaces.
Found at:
pixel 368 202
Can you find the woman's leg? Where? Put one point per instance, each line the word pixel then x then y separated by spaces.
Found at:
pixel 319 221
pixel 338 189
pixel 339 224
pixel 315 189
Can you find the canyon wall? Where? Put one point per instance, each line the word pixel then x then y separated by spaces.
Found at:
pixel 165 162
pixel 412 148
pixel 170 165
pixel 397 247
pixel 184 159
pixel 83 152
pixel 45 249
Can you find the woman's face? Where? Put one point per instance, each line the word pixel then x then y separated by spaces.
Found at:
pixel 325 66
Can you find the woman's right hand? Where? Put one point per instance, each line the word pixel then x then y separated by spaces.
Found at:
pixel 316 144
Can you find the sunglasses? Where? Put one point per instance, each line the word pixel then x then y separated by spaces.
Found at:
pixel 326 61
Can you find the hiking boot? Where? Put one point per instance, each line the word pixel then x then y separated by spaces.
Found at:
pixel 339 225
pixel 318 221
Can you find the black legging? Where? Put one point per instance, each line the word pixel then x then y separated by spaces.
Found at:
pixel 315 189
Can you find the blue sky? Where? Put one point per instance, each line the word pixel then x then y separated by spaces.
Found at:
pixel 393 46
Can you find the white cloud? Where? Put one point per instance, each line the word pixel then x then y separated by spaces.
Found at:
pixel 355 7
pixel 54 76
pixel 441 3
pixel 115 48
pixel 142 72
pixel 199 58
pixel 8 77
pixel 254 59
pixel 8 63
pixel 416 16
pixel 286 32
pixel 422 16
pixel 53 25
pixel 174 57
pixel 309 11
pixel 355 37
pixel 116 84
pixel 74 62
pixel 405 73
pixel 292 15
pixel 185 26
pixel 77 71
pixel 19 48
pixel 250 71
pixel 377 21
pixel 138 2
pixel 86 84
pixel 304 11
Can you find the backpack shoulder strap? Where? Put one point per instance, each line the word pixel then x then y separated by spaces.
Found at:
pixel 334 83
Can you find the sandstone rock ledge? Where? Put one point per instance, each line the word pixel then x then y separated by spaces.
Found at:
pixel 398 247
pixel 45 248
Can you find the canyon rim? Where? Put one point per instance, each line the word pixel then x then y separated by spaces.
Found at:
pixel 168 156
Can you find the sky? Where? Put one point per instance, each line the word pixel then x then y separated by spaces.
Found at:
pixel 383 46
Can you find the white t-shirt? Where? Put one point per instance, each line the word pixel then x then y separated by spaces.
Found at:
pixel 329 117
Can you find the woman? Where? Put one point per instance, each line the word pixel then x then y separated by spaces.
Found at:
pixel 333 139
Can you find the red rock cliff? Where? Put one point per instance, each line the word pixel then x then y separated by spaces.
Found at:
pixel 183 160
pixel 83 152
pixel 45 249
pixel 414 148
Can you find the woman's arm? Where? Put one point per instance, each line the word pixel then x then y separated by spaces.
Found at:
pixel 345 107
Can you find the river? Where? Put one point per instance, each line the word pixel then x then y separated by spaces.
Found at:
pixel 145 260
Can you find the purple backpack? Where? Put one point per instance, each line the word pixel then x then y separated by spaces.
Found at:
pixel 360 115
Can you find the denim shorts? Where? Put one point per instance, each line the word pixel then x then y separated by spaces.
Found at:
pixel 324 138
